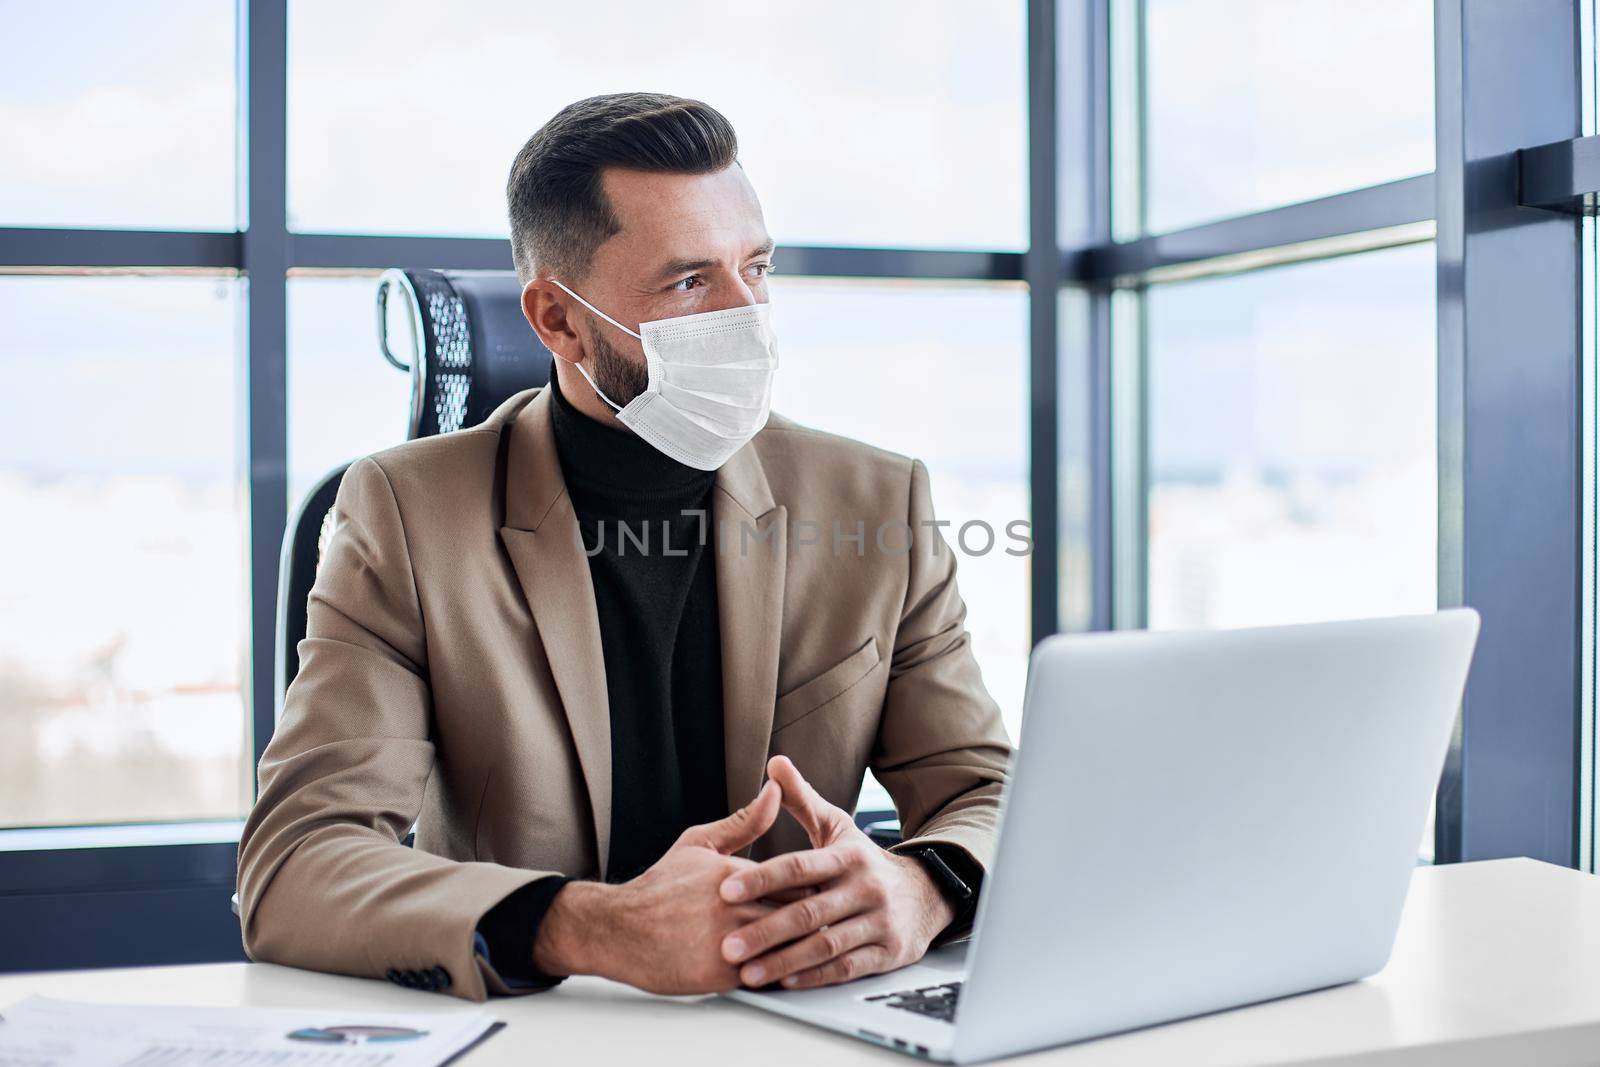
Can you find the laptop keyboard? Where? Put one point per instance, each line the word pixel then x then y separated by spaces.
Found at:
pixel 933 1001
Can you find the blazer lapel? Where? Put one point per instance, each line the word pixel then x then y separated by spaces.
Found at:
pixel 541 536
pixel 750 533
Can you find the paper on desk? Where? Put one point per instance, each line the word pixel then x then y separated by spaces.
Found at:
pixel 41 1032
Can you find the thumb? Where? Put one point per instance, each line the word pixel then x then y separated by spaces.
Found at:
pixel 740 829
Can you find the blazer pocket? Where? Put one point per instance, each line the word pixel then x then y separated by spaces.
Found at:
pixel 807 697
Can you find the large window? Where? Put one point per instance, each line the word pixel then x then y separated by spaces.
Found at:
pixel 124 592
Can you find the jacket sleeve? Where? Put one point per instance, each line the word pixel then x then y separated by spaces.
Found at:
pixel 942 750
pixel 325 881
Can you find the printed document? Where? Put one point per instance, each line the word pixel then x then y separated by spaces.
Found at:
pixel 41 1032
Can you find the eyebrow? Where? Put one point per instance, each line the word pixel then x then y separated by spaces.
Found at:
pixel 689 266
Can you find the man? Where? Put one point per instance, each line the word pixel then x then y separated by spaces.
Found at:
pixel 568 710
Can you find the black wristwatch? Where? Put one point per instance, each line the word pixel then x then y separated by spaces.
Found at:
pixel 963 896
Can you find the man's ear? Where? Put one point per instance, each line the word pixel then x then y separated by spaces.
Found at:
pixel 546 312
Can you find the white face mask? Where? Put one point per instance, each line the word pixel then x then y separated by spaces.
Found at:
pixel 710 381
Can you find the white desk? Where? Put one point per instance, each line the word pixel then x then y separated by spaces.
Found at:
pixel 1496 963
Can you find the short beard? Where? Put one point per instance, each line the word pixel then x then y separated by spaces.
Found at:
pixel 618 376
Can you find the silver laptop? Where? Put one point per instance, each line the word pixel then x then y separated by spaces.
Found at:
pixel 1195 821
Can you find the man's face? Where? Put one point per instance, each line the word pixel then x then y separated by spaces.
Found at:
pixel 689 243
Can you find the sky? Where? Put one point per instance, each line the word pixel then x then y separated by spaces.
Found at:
pixel 1327 365
pixel 1255 103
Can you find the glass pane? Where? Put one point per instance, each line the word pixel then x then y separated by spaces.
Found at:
pixel 925 144
pixel 939 372
pixel 118 114
pixel 1075 462
pixel 344 400
pixel 1292 453
pixel 1251 104
pixel 123 595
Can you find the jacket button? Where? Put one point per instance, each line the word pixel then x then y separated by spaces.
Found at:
pixel 393 975
pixel 441 978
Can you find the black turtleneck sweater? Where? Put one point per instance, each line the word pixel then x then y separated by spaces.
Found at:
pixel 646 522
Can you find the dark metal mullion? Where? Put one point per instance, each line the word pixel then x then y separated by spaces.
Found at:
pixel 938 264
pixel 1042 271
pixel 1449 241
pixel 1564 176
pixel 365 251
pixel 1510 424
pixel 266 261
pixel 1099 184
pixel 115 867
pixel 1085 129
pixel 1397 203
pixel 23 247
pixel 49 248
pixel 374 252
pixel 1142 79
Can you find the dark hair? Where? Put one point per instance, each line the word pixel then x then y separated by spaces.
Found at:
pixel 558 207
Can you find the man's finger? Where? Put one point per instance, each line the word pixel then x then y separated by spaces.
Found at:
pixel 791 870
pixel 751 913
pixel 815 815
pixel 857 963
pixel 813 953
pixel 789 896
pixel 790 923
pixel 740 829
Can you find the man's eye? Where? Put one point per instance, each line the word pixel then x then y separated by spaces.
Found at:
pixel 764 269
pixel 691 282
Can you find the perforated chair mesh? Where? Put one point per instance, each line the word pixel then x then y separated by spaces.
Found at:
pixel 448 351
pixel 477 349
pixel 448 336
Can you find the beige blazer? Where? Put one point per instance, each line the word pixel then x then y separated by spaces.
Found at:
pixel 451 677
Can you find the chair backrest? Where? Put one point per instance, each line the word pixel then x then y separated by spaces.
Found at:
pixel 463 340
pixel 303 543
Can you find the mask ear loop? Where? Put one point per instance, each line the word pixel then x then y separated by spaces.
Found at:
pixel 597 391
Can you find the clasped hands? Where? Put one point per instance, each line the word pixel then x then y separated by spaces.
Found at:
pixel 702 920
